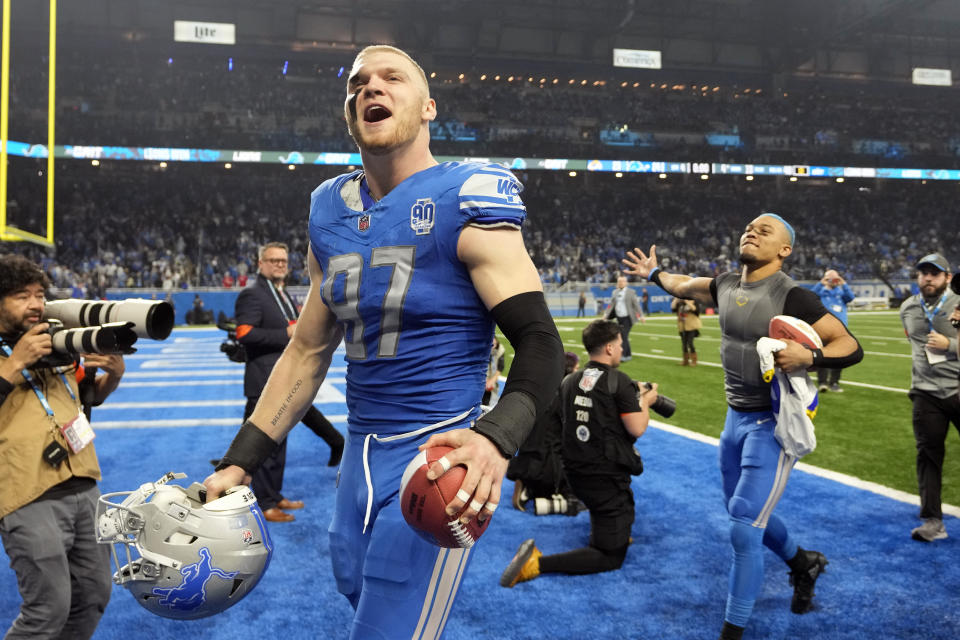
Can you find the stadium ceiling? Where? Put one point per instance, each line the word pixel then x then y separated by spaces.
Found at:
pixel 853 38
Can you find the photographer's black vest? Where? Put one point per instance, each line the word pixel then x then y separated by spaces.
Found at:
pixel 594 438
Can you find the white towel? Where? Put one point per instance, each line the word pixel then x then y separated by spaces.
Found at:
pixel 795 401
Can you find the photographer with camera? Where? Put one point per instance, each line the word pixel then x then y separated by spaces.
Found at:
pixel 933 388
pixel 48 480
pixel 603 415
pixel 835 294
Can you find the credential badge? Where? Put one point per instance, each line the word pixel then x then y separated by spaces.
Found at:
pixel 422 215
pixel 589 379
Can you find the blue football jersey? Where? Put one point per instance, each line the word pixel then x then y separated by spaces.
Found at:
pixel 416 333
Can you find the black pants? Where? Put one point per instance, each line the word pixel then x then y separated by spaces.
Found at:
pixel 828 377
pixel 267 482
pixel 686 338
pixel 931 423
pixel 625 325
pixel 610 501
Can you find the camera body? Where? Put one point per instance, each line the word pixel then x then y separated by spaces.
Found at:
pixel 664 405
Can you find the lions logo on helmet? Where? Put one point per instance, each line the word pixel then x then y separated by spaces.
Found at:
pixel 185 559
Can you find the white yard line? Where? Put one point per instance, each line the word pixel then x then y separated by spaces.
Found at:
pixel 836 476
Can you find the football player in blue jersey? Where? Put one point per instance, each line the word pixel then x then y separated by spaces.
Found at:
pixel 411 263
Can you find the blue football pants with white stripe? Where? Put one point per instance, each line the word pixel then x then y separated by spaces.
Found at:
pixel 755 471
pixel 400 585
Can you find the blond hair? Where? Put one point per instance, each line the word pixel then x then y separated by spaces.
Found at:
pixel 386 48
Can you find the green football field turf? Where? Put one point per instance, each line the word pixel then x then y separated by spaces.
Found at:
pixel 865 431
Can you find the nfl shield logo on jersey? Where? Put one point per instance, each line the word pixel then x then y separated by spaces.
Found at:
pixel 363 222
pixel 422 216
pixel 589 379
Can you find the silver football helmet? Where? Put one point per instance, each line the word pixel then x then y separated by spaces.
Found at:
pixel 184 559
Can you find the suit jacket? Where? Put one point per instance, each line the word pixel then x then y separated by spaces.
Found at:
pixel 633 307
pixel 262 330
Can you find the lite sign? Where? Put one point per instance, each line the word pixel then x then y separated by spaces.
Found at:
pixel 637 58
pixel 937 77
pixel 205 32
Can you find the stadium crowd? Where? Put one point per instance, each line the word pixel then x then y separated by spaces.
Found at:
pixel 152 99
pixel 126 224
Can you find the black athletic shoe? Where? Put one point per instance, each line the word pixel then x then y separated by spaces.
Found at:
pixel 804 580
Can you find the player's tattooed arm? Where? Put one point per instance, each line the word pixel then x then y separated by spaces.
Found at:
pixel 286 403
pixel 297 376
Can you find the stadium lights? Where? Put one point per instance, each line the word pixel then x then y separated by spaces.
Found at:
pixel 496 78
pixel 483 77
pixel 636 84
pixel 583 82
pixel 460 77
pixel 510 79
pixel 749 178
pixel 793 178
pixel 662 176
pixel 573 174
pixel 228 166
pixel 653 85
pixel 663 86
pixel 716 88
pixel 291 167
pixel 542 80
pixel 759 91
pixel 556 80
pixel 839 179
pixel 433 74
pixel 95 163
pixel 618 174
pixel 571 81
pixel 704 176
pixel 163 165
pixel 529 78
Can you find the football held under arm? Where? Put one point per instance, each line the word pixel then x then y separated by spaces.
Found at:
pixel 840 348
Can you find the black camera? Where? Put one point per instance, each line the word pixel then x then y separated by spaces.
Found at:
pixel 235 351
pixel 664 405
pixel 955 287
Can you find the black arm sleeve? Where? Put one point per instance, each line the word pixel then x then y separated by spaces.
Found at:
pixel 534 375
pixel 806 305
pixel 713 291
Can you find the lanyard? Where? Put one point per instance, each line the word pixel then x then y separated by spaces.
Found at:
pixel 36 389
pixel 933 314
pixel 288 311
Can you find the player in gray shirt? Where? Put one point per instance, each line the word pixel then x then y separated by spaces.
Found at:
pixel 933 388
pixel 753 465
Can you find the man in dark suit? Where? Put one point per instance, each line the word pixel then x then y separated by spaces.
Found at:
pixel 266 316
pixel 625 309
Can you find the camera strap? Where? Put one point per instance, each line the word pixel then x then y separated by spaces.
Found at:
pixel 36 389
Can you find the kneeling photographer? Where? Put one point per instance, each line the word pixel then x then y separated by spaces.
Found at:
pixel 48 481
pixel 604 412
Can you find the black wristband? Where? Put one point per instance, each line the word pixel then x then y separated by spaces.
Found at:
pixel 654 277
pixel 841 362
pixel 250 447
pixel 509 422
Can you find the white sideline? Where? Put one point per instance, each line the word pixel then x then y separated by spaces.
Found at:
pixel 842 478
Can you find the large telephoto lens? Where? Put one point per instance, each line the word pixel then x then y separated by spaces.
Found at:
pixel 110 338
pixel 150 318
